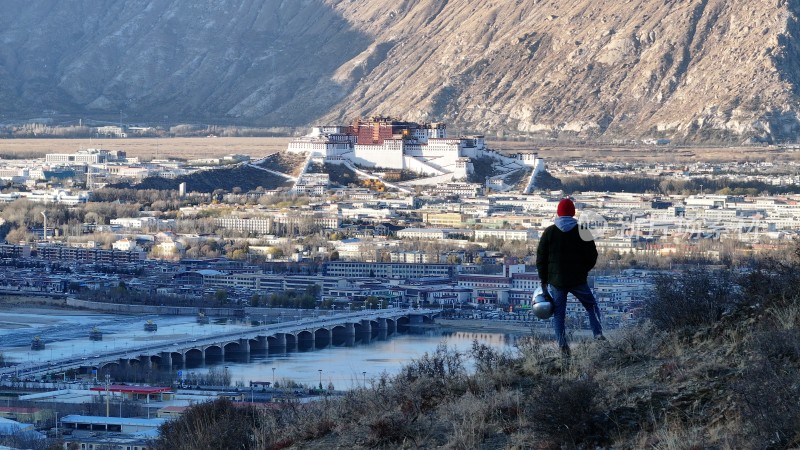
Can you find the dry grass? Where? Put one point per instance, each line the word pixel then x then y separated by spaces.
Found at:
pixel 787 317
pixel 648 153
pixel 149 148
pixel 257 147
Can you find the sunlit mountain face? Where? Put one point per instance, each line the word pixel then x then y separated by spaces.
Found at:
pixel 713 71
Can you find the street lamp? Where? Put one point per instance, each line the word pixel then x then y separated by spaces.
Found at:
pixel 320 378
pixel 364 374
pixel 273 377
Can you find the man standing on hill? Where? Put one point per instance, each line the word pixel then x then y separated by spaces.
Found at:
pixel 563 260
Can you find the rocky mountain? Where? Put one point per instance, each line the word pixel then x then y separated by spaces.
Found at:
pixel 695 70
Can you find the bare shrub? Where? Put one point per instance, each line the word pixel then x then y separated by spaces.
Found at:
pixel 537 354
pixel 444 364
pixel 768 394
pixel 785 317
pixel 468 417
pixel 296 422
pixel 507 410
pixel 493 367
pixel 771 283
pixel 218 424
pixel 690 299
pixel 769 387
pixel 630 345
pixel 566 413
pixel 391 427
pixel 674 435
pixel 28 441
pixel 780 346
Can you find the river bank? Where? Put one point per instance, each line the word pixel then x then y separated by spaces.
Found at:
pixel 489 326
pixel 508 327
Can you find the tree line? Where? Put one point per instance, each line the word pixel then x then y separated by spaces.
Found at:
pixel 670 186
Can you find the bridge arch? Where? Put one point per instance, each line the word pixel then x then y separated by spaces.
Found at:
pixel 194 357
pixel 214 353
pixel 322 337
pixel 258 344
pixel 403 323
pixel 343 335
pixel 305 340
pixel 391 325
pixel 178 359
pixel 233 347
pixel 291 342
pixel 110 366
pixel 360 328
pixel 131 362
pixel 155 360
pixel 236 350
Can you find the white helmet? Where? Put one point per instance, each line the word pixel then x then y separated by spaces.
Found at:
pixel 542 307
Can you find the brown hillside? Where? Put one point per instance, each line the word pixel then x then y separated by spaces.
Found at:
pixel 699 70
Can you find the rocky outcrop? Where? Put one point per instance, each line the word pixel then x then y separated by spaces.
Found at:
pixel 705 70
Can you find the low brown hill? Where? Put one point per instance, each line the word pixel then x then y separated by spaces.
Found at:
pixel 243 176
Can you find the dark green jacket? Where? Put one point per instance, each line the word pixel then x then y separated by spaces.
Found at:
pixel 564 259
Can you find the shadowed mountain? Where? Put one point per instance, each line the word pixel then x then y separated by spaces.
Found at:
pixel 709 70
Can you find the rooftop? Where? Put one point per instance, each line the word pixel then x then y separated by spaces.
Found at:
pixel 103 420
pixel 132 389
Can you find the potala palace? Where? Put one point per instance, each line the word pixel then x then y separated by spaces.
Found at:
pixel 384 143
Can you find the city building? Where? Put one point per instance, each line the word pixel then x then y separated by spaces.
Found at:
pixel 385 143
pixel 85 157
pixel 386 270
pixel 281 222
pixel 527 234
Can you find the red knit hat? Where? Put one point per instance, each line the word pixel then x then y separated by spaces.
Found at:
pixel 565 208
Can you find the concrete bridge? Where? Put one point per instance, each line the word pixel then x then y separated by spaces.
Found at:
pixel 341 329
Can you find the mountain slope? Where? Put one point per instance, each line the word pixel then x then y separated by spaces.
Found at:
pixel 701 70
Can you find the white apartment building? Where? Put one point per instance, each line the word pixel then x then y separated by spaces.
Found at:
pixel 125 245
pixel 312 184
pixel 111 131
pixel 387 270
pixel 507 235
pixel 423 233
pixel 465 190
pixel 51 196
pixel 88 156
pixel 416 257
pixel 275 222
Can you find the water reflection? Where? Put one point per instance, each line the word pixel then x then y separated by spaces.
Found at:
pixel 348 366
pixel 344 360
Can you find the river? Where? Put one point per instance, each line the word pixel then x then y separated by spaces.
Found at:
pixel 66 335
pixel 349 367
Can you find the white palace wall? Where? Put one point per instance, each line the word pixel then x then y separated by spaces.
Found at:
pixel 419 166
pixel 388 155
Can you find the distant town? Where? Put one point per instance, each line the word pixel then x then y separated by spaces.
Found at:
pixel 380 213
